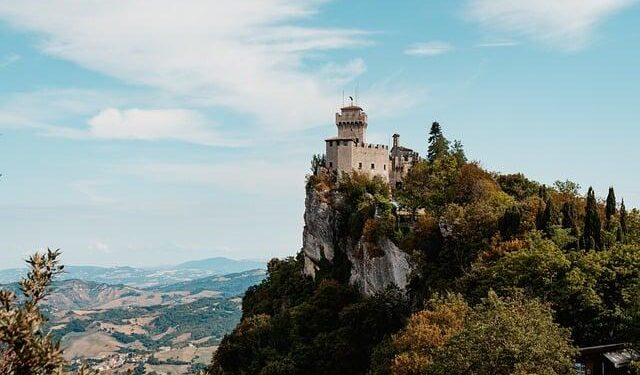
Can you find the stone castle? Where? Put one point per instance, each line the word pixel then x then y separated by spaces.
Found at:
pixel 349 150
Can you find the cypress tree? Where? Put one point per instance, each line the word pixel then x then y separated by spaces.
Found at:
pixel 510 224
pixel 592 224
pixel 548 217
pixel 570 221
pixel 542 208
pixel 569 215
pixel 623 221
pixel 610 209
pixel 438 144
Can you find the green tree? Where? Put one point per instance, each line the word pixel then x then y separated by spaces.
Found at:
pixel 567 187
pixel 139 369
pixel 511 222
pixel 570 222
pixel 610 208
pixel 25 349
pixel 548 217
pixel 317 161
pixel 438 144
pixel 592 233
pixel 623 222
pixel 429 185
pixel 590 291
pixel 457 150
pixel 504 336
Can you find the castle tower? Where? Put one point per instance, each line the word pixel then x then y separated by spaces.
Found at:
pixel 352 123
pixel 349 150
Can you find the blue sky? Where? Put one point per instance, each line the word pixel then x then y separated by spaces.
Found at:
pixel 148 133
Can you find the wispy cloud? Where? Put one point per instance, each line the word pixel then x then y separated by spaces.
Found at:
pixel 89 189
pixel 249 56
pixel 563 24
pixel 428 49
pixel 153 124
pixel 49 112
pixel 252 176
pixel 9 59
pixel 497 44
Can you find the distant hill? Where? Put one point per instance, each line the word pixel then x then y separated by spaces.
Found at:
pixel 229 285
pixel 221 265
pixel 146 277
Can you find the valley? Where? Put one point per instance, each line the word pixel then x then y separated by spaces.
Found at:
pixel 167 328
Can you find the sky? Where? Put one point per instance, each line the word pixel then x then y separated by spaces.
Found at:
pixel 148 133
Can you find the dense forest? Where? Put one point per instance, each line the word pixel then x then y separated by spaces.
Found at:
pixel 509 277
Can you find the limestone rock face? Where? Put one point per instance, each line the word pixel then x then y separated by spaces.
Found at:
pixel 318 238
pixel 373 266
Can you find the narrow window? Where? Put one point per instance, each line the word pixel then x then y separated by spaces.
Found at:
pixel 330 164
pixel 373 166
pixel 385 167
pixel 359 165
pixel 330 143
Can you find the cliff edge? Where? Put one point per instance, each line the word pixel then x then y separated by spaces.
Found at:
pixel 368 258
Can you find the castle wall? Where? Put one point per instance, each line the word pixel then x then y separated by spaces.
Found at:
pixel 372 159
pixel 339 155
pixel 363 157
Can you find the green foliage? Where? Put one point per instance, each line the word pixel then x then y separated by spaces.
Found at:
pixel 317 161
pixel 469 231
pixel 438 144
pixel 567 187
pixel 610 208
pixel 364 196
pixel 590 291
pixel 25 349
pixel 333 332
pixel 284 287
pixel 504 336
pixel 518 186
pixel 592 233
pixel 511 222
pixel 428 185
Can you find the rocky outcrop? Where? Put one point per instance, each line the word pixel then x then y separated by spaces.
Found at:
pixel 373 266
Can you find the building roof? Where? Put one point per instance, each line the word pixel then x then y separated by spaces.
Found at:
pixel 339 139
pixel 621 358
pixel 351 108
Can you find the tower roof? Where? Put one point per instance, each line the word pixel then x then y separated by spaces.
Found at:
pixel 351 108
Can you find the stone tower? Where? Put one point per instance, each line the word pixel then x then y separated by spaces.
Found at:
pixel 349 150
pixel 352 123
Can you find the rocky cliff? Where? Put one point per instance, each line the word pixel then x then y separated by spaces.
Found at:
pixel 372 265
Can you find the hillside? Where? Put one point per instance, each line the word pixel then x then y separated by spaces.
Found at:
pixel 174 328
pixel 458 270
pixel 146 277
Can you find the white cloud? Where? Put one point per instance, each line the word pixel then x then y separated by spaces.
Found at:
pixel 154 124
pixel 497 44
pixel 565 24
pixel 244 55
pixel 49 112
pixel 429 49
pixel 99 246
pixel 9 59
